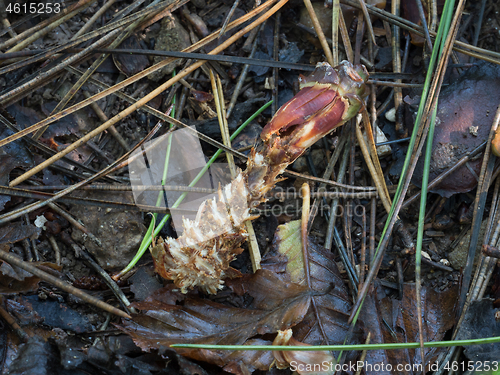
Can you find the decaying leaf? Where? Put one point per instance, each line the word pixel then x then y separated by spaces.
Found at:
pixel 390 321
pixel 12 155
pixel 35 357
pixel 278 306
pixel 479 323
pixel 333 308
pixel 16 280
pixel 32 310
pixel 15 232
pixel 130 64
pixel 281 300
pixel 465 114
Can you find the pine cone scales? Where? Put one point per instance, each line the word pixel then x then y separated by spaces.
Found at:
pixel 202 254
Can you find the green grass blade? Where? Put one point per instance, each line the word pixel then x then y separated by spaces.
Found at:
pixel 402 345
pixel 443 28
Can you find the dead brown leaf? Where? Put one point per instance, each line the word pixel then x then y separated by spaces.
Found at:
pixel 16 280
pixel 327 324
pixel 390 321
pixel 281 300
pixel 278 305
pixel 15 232
pixel 12 155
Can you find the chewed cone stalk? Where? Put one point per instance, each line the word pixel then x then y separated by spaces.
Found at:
pixel 200 257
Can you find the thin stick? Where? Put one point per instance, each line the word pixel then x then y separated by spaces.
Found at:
pixel 376 175
pixel 12 322
pixel 228 18
pixel 56 249
pixel 93 19
pixel 13 260
pixel 319 31
pixel 368 21
pixel 24 39
pixel 335 31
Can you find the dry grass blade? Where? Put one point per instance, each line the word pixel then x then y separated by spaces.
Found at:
pixel 335 31
pixel 43 77
pixel 221 113
pixel 44 24
pixel 396 63
pixel 368 21
pixel 371 159
pixel 147 98
pixel 131 80
pixel 81 5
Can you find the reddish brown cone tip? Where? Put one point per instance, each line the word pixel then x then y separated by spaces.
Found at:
pixel 328 98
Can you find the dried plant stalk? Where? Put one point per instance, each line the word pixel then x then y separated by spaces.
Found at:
pixel 202 254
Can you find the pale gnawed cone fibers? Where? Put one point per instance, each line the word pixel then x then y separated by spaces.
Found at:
pixel 200 257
